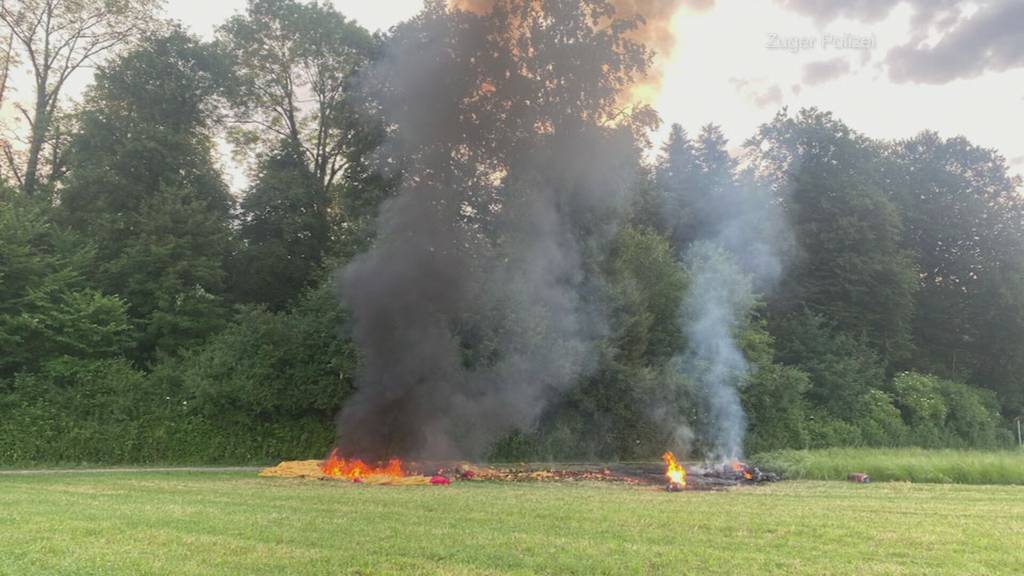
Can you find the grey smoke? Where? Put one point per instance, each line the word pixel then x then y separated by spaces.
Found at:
pixel 718 301
pixel 473 309
pixel 742 236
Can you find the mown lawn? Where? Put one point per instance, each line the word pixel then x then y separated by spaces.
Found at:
pixel 900 464
pixel 235 523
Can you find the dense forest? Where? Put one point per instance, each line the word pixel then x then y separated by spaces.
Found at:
pixel 149 313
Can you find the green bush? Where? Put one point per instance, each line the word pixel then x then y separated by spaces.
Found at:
pixel 825 431
pixel 263 390
pixel 842 368
pixel 879 420
pixel 272 367
pixel 944 413
pixel 776 409
pixel 74 410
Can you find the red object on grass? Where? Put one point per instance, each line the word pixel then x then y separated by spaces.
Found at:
pixel 440 481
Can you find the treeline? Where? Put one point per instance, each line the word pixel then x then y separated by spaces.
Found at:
pixel 147 314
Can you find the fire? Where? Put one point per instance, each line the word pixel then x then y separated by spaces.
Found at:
pixel 741 468
pixel 675 473
pixel 356 469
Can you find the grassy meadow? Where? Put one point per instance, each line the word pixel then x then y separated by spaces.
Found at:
pixel 235 523
pixel 900 464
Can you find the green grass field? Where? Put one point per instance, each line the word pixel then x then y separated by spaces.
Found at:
pixel 903 464
pixel 235 523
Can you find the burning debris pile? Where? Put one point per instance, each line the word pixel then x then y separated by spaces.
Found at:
pixel 673 476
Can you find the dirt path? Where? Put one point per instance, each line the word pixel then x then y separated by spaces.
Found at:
pixel 197 469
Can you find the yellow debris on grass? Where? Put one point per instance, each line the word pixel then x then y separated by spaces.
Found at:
pixel 311 469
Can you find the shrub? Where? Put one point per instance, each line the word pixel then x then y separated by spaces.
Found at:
pixel 776 409
pixel 272 366
pixel 879 420
pixel 941 413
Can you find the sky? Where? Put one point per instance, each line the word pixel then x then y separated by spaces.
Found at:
pixel 889 69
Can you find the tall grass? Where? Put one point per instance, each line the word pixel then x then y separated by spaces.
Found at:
pixel 901 464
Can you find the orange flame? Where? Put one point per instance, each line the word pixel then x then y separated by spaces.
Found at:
pixel 743 469
pixel 355 469
pixel 675 473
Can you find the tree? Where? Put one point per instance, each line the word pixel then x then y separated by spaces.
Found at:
pixel 964 219
pixel 676 175
pixel 647 286
pixel 57 38
pixel 294 65
pixel 851 266
pixel 48 308
pixel 144 188
pixel 842 369
pixel 285 228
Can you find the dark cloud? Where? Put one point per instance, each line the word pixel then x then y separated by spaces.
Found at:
pixel 990 40
pixel 825 70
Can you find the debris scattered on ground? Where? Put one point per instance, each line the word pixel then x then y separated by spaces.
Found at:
pixel 311 469
pixel 700 477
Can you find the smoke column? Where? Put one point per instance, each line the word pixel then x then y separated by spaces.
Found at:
pixel 474 307
pixel 739 250
pixel 715 307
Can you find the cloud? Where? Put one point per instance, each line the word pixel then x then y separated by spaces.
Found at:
pixel 990 40
pixel 758 91
pixel 950 39
pixel 825 70
pixel 870 11
pixel 825 11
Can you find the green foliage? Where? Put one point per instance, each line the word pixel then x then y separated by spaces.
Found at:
pixel 648 285
pixel 627 407
pixel 47 307
pixel 841 368
pixel 144 189
pixel 776 408
pixel 946 413
pixel 106 412
pixel 963 209
pixel 285 230
pixel 74 410
pixel 850 265
pixel 880 421
pixel 898 321
pixel 271 367
pixel 267 388
pixel 292 67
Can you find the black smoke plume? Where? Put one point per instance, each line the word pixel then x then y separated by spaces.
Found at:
pixel 476 305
